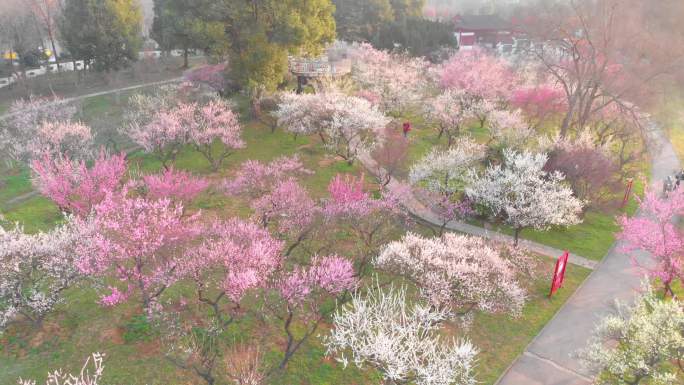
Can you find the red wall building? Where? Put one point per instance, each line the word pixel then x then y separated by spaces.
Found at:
pixel 487 31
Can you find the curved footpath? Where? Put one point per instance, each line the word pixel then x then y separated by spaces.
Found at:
pixel 550 358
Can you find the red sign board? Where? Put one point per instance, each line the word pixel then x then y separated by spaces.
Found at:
pixel 559 273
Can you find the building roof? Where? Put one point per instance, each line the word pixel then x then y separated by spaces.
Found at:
pixel 481 22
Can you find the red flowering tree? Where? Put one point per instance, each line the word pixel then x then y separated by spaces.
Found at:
pixel 74 186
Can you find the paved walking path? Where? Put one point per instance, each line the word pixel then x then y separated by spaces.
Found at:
pixel 549 359
pixel 107 92
pixel 419 210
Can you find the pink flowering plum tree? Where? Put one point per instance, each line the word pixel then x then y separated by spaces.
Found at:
pixel 521 194
pixel 380 329
pixel 254 178
pixel 212 76
pixel 540 102
pixel 35 269
pixel 235 261
pixel 20 130
pixel 656 232
pixel 191 123
pixel 174 184
pixel 301 292
pixel 289 210
pixel 139 242
pixel 479 74
pixel 73 186
pixel 460 273
pixel 369 220
pixel 210 123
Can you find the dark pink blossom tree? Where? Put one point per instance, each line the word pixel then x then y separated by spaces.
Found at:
pixel 370 220
pixel 539 103
pixel 139 242
pixel 174 184
pixel 656 232
pixel 74 186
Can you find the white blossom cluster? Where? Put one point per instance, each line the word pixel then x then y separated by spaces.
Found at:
pixel 401 341
pixel 524 195
pixel 34 270
pixel 458 272
pixel 509 128
pixel 85 377
pixel 637 344
pixel 445 171
pixel 349 124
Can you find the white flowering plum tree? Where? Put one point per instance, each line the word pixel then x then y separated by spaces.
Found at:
pixel 381 330
pixel 34 271
pixel 521 194
pixel 639 343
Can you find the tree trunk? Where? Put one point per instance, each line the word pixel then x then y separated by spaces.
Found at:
pixel 186 64
pixel 516 236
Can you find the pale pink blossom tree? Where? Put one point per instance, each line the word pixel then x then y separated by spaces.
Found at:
pixel 174 184
pixel 655 231
pixel 74 186
pixel 289 209
pixel 191 123
pixel 451 111
pixel 458 272
pixel 479 74
pixel 210 123
pixel 25 117
pixel 399 80
pixel 255 179
pixel 139 242
pixel 35 269
pixel 72 139
pixel 347 125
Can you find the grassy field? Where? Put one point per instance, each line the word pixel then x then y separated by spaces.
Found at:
pixel 134 354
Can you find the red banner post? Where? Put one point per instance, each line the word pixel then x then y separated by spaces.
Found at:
pixel 559 273
pixel 628 191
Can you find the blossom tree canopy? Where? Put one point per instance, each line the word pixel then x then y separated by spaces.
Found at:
pixel 289 206
pixel 509 129
pixel 191 123
pixel 398 79
pixel 479 74
pixel 638 343
pixel 35 270
pixel 451 110
pixel 173 184
pixel 255 178
pixel 348 125
pixel 20 131
pixel 71 139
pixel 523 195
pixel 445 171
pixel 381 330
pixel 211 75
pixel 657 233
pixel 459 272
pixel 75 187
pixel 139 242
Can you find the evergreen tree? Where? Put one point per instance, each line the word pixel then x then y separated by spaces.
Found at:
pixel 104 33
